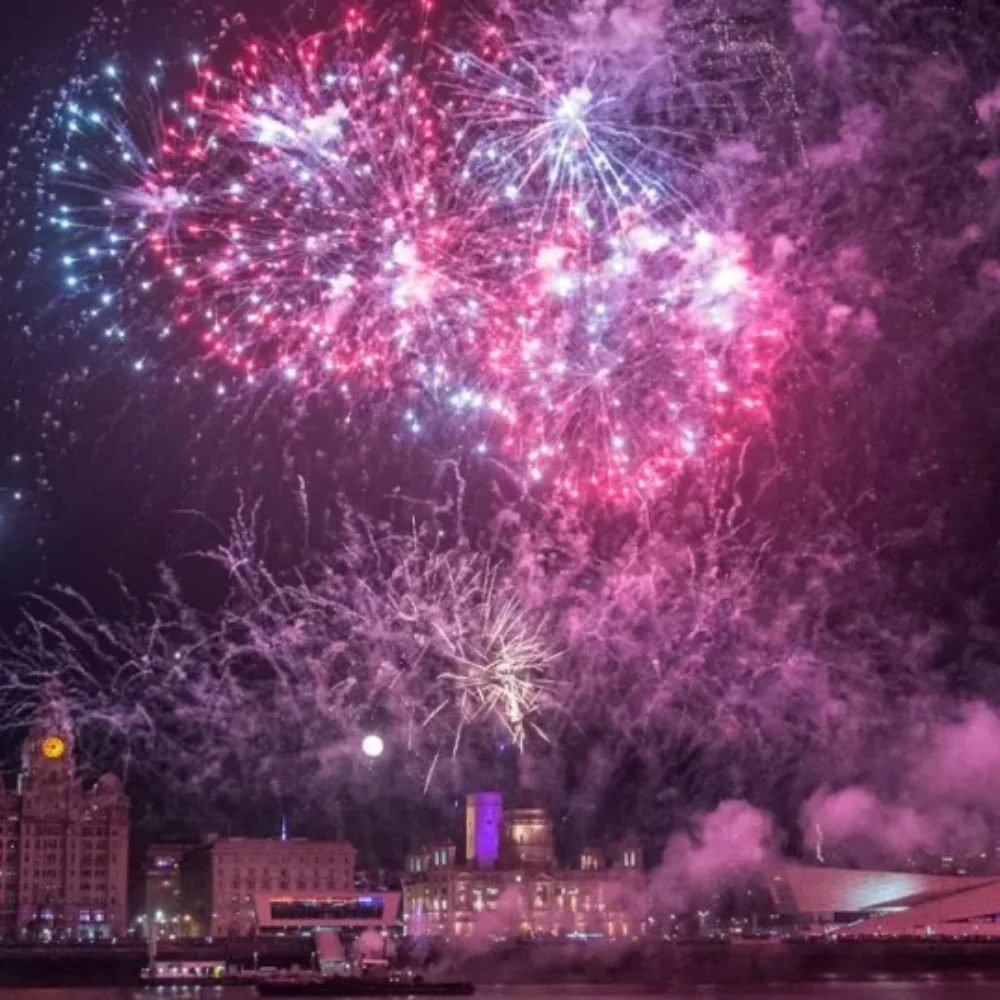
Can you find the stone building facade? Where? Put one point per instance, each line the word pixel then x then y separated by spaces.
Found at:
pixel 221 878
pixel 64 852
pixel 511 882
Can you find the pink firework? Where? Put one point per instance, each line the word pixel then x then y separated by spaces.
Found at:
pixel 630 357
pixel 317 211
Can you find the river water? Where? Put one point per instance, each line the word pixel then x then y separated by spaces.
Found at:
pixel 884 989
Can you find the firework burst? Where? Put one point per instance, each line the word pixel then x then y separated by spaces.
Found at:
pixel 563 148
pixel 629 358
pixel 501 659
pixel 323 213
pixel 290 207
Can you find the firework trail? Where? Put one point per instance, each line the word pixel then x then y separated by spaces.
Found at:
pixel 271 203
pixel 680 650
pixel 388 633
pixel 632 357
pixel 549 121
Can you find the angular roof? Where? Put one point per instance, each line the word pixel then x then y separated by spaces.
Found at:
pixel 802 889
pixel 974 909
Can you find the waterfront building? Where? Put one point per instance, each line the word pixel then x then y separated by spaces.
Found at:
pixel 223 878
pixel 64 853
pixel 527 840
pixel 10 844
pixel 511 884
pixel 957 860
pixel 847 901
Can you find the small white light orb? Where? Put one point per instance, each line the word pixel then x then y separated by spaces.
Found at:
pixel 372 745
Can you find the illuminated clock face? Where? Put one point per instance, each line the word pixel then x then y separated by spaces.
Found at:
pixel 53 748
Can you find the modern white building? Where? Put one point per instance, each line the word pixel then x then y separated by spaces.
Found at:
pixel 900 904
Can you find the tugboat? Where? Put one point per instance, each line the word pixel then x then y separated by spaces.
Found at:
pixel 341 977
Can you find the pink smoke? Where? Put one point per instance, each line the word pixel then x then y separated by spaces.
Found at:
pixel 945 799
pixel 725 847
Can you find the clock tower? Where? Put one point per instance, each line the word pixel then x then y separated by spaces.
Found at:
pixel 47 757
pixel 72 839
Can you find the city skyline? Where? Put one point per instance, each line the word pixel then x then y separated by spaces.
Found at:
pixel 506 875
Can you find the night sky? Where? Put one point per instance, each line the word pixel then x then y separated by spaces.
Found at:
pixel 866 506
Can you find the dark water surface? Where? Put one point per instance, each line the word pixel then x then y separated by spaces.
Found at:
pixel 927 989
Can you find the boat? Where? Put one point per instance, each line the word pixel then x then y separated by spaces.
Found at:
pixel 365 974
pixel 361 986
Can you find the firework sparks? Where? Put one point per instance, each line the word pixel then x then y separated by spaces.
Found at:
pixel 324 212
pixel 440 650
pixel 561 148
pixel 387 633
pixel 520 242
pixel 502 663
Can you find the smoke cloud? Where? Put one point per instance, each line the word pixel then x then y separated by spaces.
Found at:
pixel 988 106
pixel 817 23
pixel 945 799
pixel 726 847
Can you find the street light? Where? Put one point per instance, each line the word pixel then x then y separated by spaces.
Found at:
pixel 372 746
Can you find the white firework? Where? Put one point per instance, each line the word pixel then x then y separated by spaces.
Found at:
pixel 501 663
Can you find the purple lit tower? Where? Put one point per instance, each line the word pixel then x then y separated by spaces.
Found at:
pixel 483 821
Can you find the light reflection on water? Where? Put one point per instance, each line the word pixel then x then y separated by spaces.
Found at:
pixel 882 989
